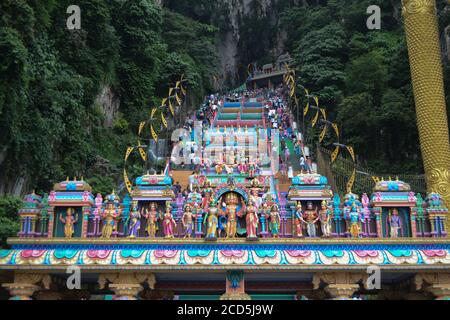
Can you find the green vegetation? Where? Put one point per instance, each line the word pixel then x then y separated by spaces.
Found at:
pixel 9 225
pixel 361 76
pixel 51 126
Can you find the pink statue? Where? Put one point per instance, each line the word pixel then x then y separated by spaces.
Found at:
pixel 365 202
pixel 168 223
pixel 251 218
pixel 85 196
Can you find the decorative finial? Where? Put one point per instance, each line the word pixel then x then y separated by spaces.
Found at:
pixel 67 179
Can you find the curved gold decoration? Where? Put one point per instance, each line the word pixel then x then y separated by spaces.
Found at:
pixel 418 6
pixel 424 50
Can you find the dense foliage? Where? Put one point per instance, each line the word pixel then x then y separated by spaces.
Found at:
pixel 50 122
pixel 362 77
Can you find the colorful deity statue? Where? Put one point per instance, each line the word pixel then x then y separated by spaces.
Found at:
pixel 188 221
pixel 169 223
pixel 219 168
pixel 251 219
pixel 311 217
pixel 298 221
pixel 211 221
pixel 110 215
pixel 254 196
pixel 355 219
pixel 264 212
pixel 252 167
pixel 352 206
pixel 69 222
pixel 207 195
pixel 134 221
pixel 325 219
pixel 231 212
pixel 394 223
pixel 152 219
pixel 274 221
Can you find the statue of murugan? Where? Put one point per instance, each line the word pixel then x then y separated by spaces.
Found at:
pixel 325 219
pixel 188 221
pixel 311 217
pixel 211 221
pixel 394 223
pixel 251 219
pixel 231 212
pixel 69 222
pixel 152 219
pixel 274 221
pixel 135 221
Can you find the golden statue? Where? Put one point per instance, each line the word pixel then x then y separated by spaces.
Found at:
pixel 424 50
pixel 231 212
pixel 110 214
pixel 69 222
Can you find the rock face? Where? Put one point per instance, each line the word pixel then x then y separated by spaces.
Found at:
pixel 240 12
pixel 109 103
pixel 232 17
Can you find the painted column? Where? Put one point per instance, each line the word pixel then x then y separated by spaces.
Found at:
pixel 126 286
pixel 235 286
pixel 433 226
pixel 51 219
pixel 26 284
pixel 85 221
pixel 424 50
pixel 377 212
pixel 413 222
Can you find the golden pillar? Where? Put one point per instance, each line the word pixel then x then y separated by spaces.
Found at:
pixel 422 37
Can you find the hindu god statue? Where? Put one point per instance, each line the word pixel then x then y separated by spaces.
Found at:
pixel 298 221
pixel 188 221
pixel 211 221
pixel 152 219
pixel 251 219
pixel 325 219
pixel 355 220
pixel 169 223
pixel 311 217
pixel 254 196
pixel 274 221
pixel 134 221
pixel 207 195
pixel 110 215
pixel 231 212
pixel 69 222
pixel 394 223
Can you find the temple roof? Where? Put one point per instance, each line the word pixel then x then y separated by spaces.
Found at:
pixel 392 186
pixel 72 185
